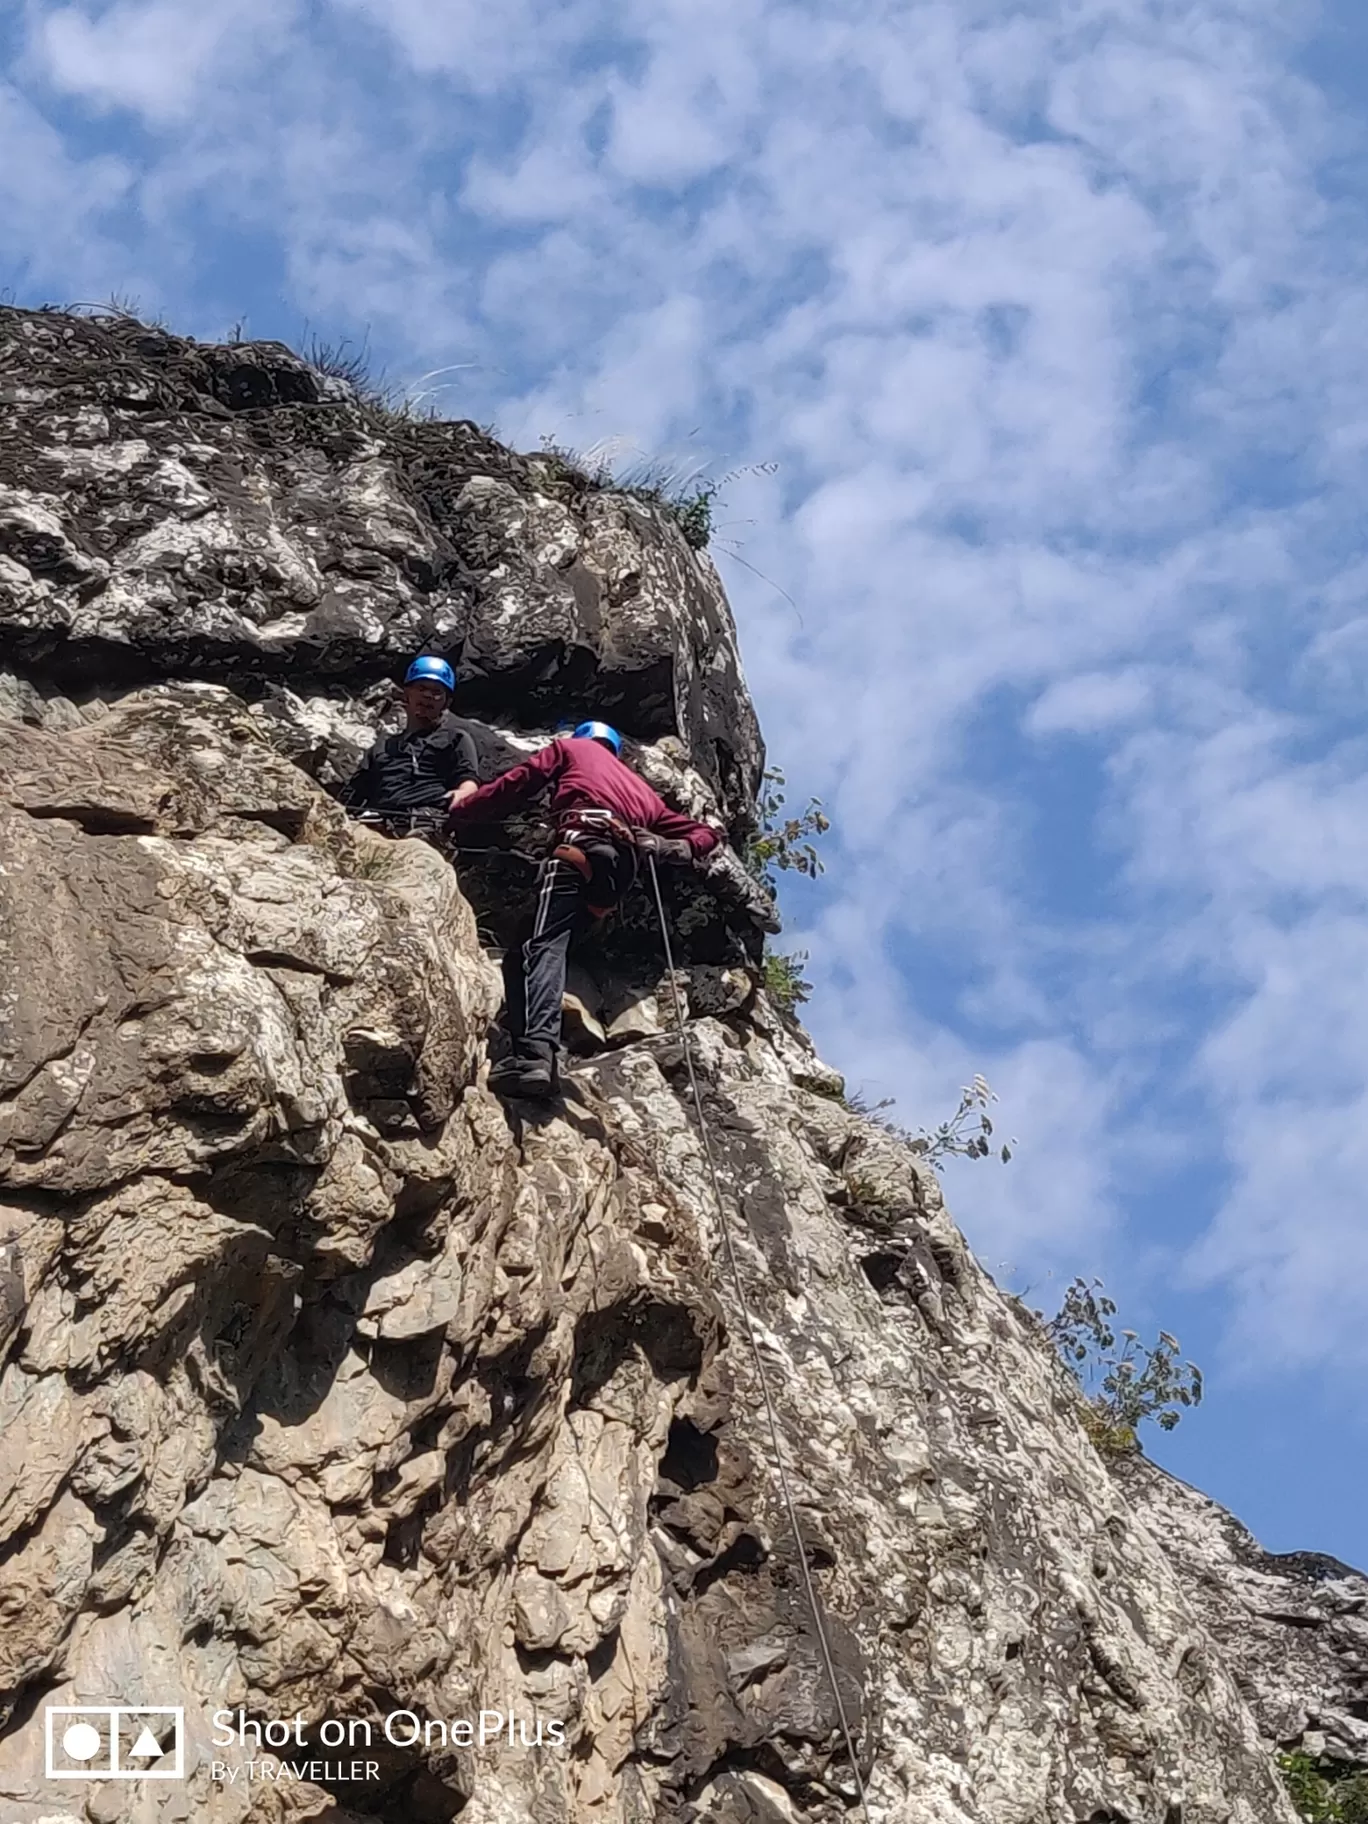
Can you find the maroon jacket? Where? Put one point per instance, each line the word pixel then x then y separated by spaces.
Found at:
pixel 583 773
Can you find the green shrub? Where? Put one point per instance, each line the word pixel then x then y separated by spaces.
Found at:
pixel 968 1134
pixel 1124 1386
pixel 783 844
pixel 1309 1793
pixel 1108 1436
pixel 681 493
pixel 1324 1792
pixel 693 515
pixel 782 976
pixel 684 495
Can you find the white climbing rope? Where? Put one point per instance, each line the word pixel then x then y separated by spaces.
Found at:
pixel 814 1602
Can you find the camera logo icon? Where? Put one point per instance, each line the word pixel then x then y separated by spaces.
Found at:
pixel 115 1741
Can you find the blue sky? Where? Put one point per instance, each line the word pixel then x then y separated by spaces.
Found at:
pixel 1051 316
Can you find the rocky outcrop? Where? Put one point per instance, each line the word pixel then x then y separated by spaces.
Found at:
pixel 172 510
pixel 335 1390
pixel 1292 1626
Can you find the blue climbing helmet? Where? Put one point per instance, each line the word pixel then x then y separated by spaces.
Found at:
pixel 599 731
pixel 431 670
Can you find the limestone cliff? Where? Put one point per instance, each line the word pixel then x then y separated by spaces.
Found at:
pixel 1292 1626
pixel 334 1388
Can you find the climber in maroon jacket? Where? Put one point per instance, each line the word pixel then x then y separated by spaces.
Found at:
pixel 606 819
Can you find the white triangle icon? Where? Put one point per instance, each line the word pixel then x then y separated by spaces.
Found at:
pixel 146 1748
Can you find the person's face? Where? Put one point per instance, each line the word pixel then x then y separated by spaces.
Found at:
pixel 424 703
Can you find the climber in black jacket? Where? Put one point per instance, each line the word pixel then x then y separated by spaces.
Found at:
pixel 429 765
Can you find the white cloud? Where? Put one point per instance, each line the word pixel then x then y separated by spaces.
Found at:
pixel 478 48
pixel 54 205
pixel 554 178
pixel 688 110
pixel 1092 701
pixel 152 56
pixel 1287 1072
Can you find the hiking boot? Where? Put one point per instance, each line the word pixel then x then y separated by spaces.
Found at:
pixel 515 1076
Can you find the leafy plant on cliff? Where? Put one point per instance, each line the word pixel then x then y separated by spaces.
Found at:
pixel 780 843
pixel 692 506
pixel 694 516
pixel 387 406
pixel 685 494
pixel 1309 1793
pixel 348 361
pixel 1325 1792
pixel 1125 1383
pixel 968 1134
pixel 579 471
pixel 782 975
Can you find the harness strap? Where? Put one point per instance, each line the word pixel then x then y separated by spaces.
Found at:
pixel 593 820
pixel 590 823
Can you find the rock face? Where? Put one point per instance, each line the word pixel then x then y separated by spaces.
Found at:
pixel 1293 1626
pixel 339 1397
pixel 173 510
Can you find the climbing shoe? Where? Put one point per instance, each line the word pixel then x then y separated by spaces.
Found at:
pixel 534 1077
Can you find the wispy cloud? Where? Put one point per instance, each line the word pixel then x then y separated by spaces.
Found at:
pixel 55 204
pixel 153 57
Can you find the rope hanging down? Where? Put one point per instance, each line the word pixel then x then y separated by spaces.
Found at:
pixel 810 1588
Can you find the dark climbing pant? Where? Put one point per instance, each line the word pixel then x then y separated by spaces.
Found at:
pixel 569 901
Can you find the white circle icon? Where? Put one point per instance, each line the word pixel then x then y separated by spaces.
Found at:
pixel 82 1742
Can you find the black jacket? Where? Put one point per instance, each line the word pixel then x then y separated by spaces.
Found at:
pixel 407 772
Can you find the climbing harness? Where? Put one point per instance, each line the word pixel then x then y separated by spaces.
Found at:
pixel 592 820
pixel 575 829
pixel 810 1588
